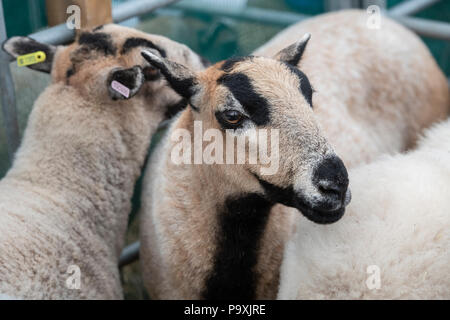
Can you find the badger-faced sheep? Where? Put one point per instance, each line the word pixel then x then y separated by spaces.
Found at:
pixel 218 231
pixel 64 203
pixel 394 240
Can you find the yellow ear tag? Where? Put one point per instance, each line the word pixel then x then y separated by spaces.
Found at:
pixel 31 58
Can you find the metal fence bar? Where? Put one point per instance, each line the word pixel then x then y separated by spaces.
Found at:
pixel 8 98
pixel 432 29
pixel 252 14
pixel 424 27
pixel 411 7
pixel 129 254
pixel 132 9
pixel 60 34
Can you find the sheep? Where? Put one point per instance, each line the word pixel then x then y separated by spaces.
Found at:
pixel 394 240
pixel 232 96
pixel 191 246
pixel 64 204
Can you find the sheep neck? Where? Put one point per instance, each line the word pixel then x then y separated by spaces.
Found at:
pixel 226 217
pixel 241 223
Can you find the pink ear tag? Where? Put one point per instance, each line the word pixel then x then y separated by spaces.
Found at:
pixel 120 88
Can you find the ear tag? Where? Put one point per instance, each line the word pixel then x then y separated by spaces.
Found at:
pixel 31 58
pixel 120 88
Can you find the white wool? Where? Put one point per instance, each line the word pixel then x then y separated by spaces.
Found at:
pixel 398 221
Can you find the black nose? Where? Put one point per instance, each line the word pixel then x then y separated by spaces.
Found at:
pixel 331 178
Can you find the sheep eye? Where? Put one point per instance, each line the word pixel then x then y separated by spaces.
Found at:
pixel 233 117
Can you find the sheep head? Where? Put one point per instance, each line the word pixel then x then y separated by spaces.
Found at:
pixel 251 93
pixel 105 64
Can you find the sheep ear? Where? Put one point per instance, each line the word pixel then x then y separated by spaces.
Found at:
pixel 18 46
pixel 294 52
pixel 180 78
pixel 125 83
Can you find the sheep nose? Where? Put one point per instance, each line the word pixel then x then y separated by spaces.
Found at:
pixel 331 179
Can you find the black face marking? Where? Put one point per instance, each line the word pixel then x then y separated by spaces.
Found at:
pixel 228 65
pixel 176 108
pixel 98 41
pixel 288 197
pixel 28 45
pixel 305 85
pixel 278 194
pixel 242 89
pixel 242 223
pixel 131 43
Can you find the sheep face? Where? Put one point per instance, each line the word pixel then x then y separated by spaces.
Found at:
pixel 105 65
pixel 253 93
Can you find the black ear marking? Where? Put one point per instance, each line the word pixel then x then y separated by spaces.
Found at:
pixel 180 78
pixel 132 79
pixel 17 46
pixel 98 41
pixel 294 52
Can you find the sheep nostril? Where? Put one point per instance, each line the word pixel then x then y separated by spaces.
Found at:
pixel 329 188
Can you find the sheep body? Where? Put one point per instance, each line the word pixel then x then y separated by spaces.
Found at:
pixel 59 201
pixel 398 221
pixel 64 204
pixel 375 92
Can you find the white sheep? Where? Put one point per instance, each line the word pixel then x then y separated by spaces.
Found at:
pixel 393 241
pixel 375 90
pixel 64 204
